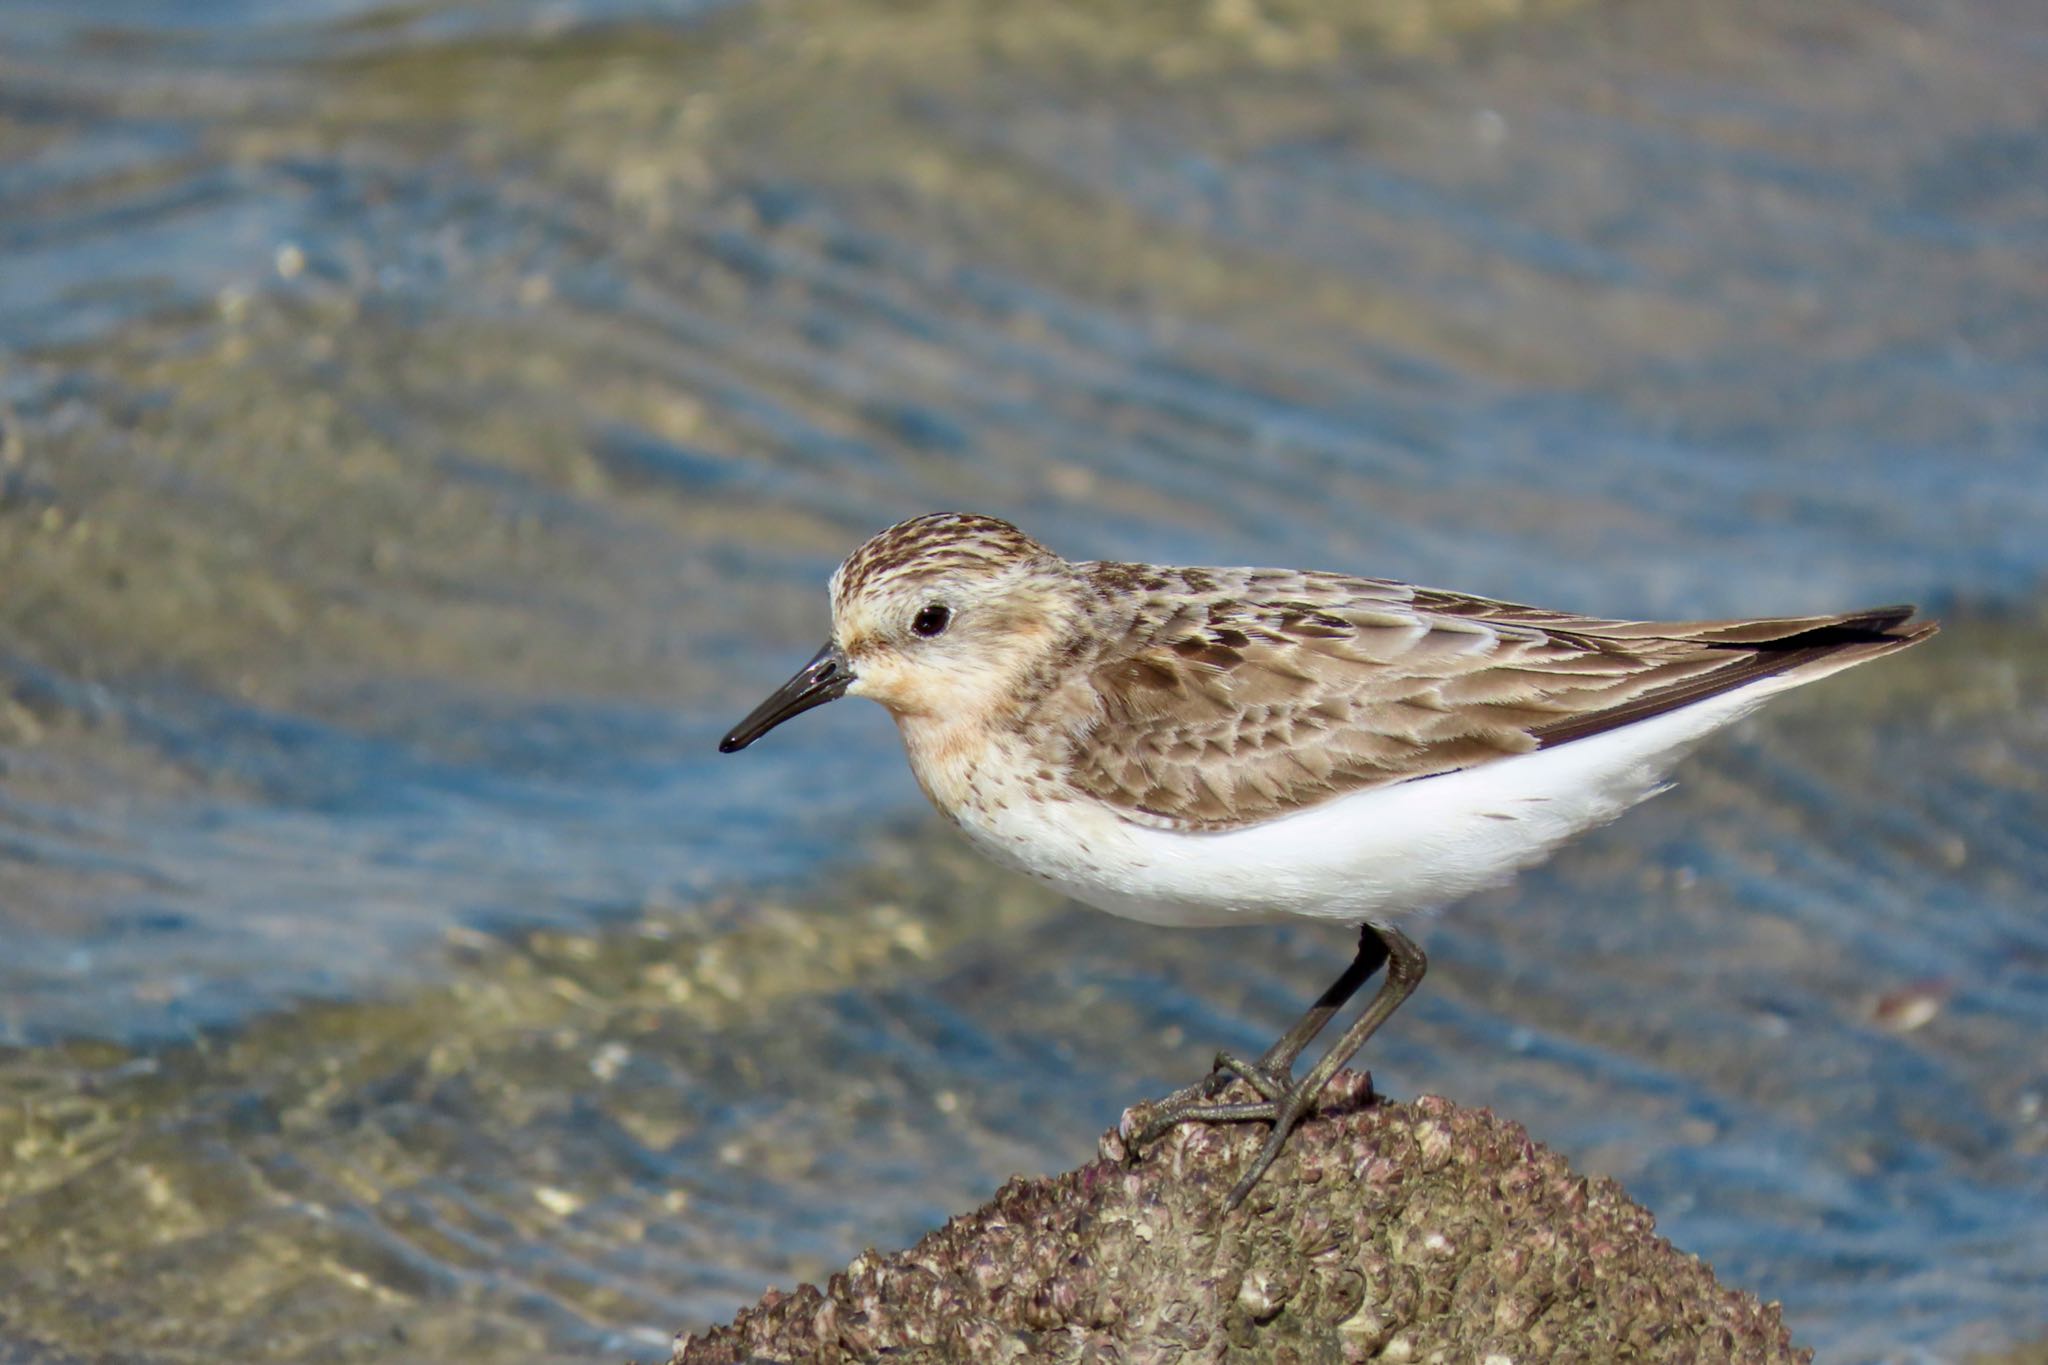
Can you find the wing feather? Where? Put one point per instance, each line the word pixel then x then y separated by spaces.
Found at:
pixel 1238 695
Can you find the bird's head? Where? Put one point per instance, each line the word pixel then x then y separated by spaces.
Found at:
pixel 949 615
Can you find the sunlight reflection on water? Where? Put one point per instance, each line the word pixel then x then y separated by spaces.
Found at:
pixel 421 433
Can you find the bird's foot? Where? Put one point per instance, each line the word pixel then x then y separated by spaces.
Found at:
pixel 1282 1102
pixel 1162 1114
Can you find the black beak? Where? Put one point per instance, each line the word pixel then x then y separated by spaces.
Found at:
pixel 823 679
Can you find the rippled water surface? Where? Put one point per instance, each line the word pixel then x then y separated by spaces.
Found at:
pixel 424 428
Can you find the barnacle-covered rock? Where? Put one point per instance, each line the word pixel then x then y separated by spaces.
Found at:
pixel 1398 1232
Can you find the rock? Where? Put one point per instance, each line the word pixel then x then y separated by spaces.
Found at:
pixel 1395 1232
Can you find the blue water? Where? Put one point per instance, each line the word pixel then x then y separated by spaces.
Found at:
pixel 424 430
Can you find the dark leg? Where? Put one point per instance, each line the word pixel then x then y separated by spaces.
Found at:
pixel 1405 965
pixel 1372 955
pixel 1274 1071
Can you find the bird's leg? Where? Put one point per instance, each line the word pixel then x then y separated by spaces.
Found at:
pixel 1279 1058
pixel 1405 967
pixel 1406 964
pixel 1273 1071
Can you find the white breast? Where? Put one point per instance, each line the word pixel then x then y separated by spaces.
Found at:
pixel 1371 856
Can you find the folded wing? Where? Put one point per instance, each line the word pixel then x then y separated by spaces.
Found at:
pixel 1242 695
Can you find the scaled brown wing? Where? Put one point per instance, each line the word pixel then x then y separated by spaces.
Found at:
pixel 1273 692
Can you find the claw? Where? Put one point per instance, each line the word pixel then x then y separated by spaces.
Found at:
pixel 1287 1113
pixel 1282 1105
pixel 1284 1101
pixel 1269 1083
pixel 1163 1119
pixel 1202 1101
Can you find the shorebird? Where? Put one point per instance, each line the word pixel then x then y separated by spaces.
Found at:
pixel 1189 746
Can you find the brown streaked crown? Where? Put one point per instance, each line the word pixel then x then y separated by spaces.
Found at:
pixel 934 546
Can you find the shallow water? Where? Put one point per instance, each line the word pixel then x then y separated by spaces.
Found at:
pixel 424 429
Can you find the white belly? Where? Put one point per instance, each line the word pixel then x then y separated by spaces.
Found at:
pixel 1372 856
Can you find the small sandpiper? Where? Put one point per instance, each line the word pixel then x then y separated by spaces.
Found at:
pixel 1223 746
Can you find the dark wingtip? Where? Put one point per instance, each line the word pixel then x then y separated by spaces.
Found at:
pixel 1874 626
pixel 1879 620
pixel 1918 631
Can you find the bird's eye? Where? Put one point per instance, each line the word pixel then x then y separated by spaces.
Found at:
pixel 931 621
